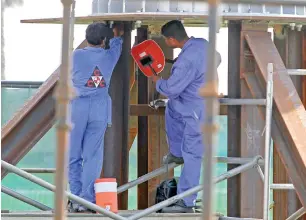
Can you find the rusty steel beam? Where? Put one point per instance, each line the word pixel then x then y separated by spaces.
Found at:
pixel 285 202
pixel 116 136
pixel 252 142
pixel 304 67
pixel 142 138
pixel 30 123
pixel 289 113
pixel 233 116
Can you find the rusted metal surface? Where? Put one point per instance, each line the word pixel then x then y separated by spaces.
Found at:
pixel 30 123
pixel 294 61
pixel 304 66
pixel 252 140
pixel 233 117
pixel 190 18
pixel 285 202
pixel 289 113
pixel 116 137
pixel 142 141
pixel 158 146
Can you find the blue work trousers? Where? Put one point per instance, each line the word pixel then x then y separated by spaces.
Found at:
pixel 89 121
pixel 185 140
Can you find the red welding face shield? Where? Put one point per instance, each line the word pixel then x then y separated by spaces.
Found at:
pixel 149 57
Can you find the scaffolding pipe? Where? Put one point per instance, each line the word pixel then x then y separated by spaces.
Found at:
pixel 262 177
pixel 63 94
pixel 297 72
pixel 282 186
pixel 227 101
pixel 196 189
pixel 24 199
pixel 20 84
pixel 210 93
pixel 227 160
pixel 51 187
pixel 269 105
pixel 299 213
pixel 146 177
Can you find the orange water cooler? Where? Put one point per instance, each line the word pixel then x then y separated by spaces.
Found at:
pixel 106 194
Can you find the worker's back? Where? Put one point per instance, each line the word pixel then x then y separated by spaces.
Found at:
pixel 93 67
pixel 193 55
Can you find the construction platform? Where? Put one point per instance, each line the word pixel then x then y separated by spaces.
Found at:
pixel 155 216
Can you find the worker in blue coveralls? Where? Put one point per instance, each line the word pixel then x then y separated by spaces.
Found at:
pixel 185 109
pixel 91 110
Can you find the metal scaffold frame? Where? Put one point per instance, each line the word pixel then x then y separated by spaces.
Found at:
pixel 209 91
pixel 246 165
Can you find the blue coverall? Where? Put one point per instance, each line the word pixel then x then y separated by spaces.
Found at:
pixel 185 111
pixel 90 115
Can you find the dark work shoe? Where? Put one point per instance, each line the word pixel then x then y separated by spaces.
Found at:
pixel 71 207
pixel 170 158
pixel 82 209
pixel 178 207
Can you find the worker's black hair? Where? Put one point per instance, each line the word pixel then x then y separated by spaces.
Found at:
pixel 174 29
pixel 96 33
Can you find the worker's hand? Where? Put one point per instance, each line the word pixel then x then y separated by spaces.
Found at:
pixel 118 30
pixel 155 78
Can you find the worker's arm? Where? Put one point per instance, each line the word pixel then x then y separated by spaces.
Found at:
pixel 182 75
pixel 115 48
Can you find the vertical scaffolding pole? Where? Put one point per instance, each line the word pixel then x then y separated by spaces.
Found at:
pixel 63 96
pixel 210 93
pixel 269 104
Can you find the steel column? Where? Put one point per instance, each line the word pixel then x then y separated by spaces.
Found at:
pixel 116 137
pixel 142 138
pixel 233 115
pixel 294 60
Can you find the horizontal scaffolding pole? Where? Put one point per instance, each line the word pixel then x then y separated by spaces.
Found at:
pixel 20 84
pixel 297 72
pixel 299 213
pixel 227 160
pixel 283 186
pixel 196 189
pixel 51 187
pixel 234 218
pixel 25 199
pixel 227 101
